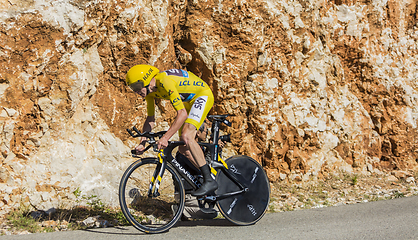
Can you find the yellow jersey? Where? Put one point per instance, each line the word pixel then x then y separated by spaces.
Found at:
pixel 179 87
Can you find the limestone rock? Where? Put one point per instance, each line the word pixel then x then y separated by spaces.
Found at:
pixel 312 87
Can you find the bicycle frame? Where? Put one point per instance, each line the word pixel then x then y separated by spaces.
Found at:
pixel 165 156
pixel 155 188
pixel 157 177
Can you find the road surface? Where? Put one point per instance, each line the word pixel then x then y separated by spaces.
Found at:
pixel 390 219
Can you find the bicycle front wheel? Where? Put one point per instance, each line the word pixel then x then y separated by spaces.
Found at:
pixel 146 212
pixel 251 206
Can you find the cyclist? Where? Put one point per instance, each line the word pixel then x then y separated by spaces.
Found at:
pixel 191 97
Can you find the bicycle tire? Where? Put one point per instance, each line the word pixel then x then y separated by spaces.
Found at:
pixel 151 214
pixel 250 207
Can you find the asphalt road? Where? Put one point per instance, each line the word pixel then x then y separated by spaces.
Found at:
pixel 390 219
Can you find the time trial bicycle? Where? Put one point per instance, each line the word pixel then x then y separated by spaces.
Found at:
pixel 152 190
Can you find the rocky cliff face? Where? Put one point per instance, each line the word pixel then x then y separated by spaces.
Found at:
pixel 314 87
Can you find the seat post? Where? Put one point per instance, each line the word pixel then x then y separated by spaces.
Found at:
pixel 214 148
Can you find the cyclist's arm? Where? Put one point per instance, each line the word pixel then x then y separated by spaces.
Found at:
pixel 170 86
pixel 148 126
pixel 177 103
pixel 178 122
pixel 150 120
pixel 150 105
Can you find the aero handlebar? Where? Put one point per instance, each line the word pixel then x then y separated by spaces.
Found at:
pixel 150 135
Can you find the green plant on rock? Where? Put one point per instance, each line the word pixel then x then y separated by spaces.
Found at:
pixel 77 194
pixel 49 229
pixel 308 202
pixel 95 203
pixel 121 218
pixel 21 220
pixel 398 194
pixel 354 180
pixel 92 201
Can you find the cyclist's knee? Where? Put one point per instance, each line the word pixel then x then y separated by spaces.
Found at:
pixel 183 149
pixel 187 137
pixel 188 134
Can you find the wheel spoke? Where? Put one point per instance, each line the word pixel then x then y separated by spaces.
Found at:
pixel 151 214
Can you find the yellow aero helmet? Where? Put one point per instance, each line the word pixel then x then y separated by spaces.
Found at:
pixel 140 76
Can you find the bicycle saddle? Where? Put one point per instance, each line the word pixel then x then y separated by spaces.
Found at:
pixel 218 117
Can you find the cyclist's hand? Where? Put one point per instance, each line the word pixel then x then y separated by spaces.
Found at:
pixel 162 143
pixel 140 149
pixel 221 143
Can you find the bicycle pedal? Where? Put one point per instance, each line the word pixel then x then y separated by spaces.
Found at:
pixel 206 205
pixel 208 210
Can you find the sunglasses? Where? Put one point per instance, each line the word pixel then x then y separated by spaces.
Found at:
pixel 137 86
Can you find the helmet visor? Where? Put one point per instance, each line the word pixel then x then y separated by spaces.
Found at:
pixel 137 86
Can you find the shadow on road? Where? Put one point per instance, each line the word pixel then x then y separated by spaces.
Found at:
pixel 206 222
pixel 124 230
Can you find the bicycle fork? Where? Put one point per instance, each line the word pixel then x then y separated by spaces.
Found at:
pixel 157 176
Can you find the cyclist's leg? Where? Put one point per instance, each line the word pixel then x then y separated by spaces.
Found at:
pixel 184 149
pixel 201 105
pixel 188 135
pixel 198 109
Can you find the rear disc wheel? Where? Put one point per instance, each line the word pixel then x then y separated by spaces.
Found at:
pixel 250 207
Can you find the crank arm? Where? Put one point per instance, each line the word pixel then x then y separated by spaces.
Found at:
pixel 223 196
